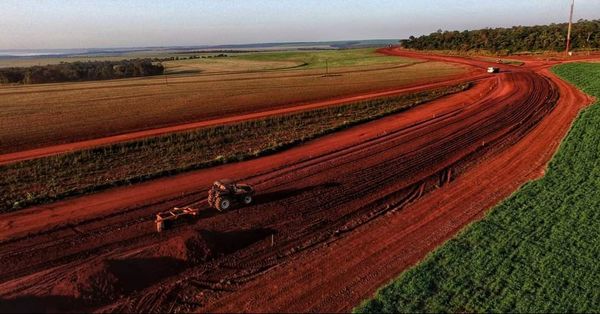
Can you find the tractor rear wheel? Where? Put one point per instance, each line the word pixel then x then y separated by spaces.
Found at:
pixel 222 204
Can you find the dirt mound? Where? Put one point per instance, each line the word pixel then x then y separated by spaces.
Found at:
pixel 108 280
pixel 199 246
pixel 95 283
pixel 189 247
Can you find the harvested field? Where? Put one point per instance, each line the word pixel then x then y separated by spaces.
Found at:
pixel 47 114
pixel 334 218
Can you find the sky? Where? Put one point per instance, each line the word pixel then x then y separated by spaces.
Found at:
pixel 60 24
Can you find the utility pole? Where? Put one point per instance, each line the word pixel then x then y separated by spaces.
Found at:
pixel 569 31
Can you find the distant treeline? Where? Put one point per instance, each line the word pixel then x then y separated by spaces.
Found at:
pixel 80 71
pixel 218 51
pixel 585 35
pixel 175 58
pixel 221 55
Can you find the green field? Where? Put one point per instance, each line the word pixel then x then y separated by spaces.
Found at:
pixel 322 58
pixel 538 251
pixel 292 59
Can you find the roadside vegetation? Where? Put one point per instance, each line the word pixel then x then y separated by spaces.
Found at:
pixel 80 71
pixel 585 36
pixel 503 61
pixel 537 252
pixel 50 178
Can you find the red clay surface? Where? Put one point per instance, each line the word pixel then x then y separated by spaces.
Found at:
pixel 334 219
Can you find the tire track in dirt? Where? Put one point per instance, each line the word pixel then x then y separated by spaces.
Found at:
pixel 368 258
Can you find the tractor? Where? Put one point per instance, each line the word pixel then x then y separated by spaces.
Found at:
pixel 224 193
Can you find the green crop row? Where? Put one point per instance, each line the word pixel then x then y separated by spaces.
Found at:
pixel 51 178
pixel 537 252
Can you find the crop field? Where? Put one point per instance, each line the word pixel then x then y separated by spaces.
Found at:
pixel 40 115
pixel 322 59
pixel 280 60
pixel 90 170
pixel 535 252
pixel 228 65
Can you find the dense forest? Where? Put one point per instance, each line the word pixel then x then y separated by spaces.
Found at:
pixel 585 35
pixel 80 71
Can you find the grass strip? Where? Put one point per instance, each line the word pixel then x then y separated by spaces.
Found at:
pixel 52 178
pixel 536 252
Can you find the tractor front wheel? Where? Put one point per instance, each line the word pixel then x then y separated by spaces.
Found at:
pixel 248 199
pixel 222 204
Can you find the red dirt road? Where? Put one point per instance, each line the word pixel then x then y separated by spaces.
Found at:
pixel 334 219
pixel 353 268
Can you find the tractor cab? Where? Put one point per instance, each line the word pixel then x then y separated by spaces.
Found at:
pixel 222 195
pixel 224 185
pixel 229 186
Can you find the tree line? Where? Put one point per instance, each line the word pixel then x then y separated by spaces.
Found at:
pixel 80 71
pixel 585 35
pixel 221 55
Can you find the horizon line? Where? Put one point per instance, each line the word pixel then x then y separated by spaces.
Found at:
pixel 206 45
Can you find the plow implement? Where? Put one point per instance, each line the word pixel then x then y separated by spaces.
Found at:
pixel 167 218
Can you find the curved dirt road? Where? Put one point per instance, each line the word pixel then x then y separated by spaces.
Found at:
pixel 334 218
pixel 339 277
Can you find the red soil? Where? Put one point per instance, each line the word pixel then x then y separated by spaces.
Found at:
pixel 334 219
pixel 190 247
pixel 93 282
pixel 336 278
